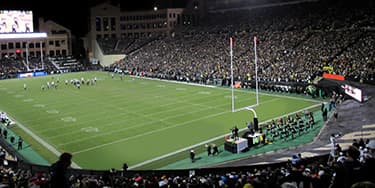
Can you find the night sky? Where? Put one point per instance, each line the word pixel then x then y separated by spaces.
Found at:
pixel 75 16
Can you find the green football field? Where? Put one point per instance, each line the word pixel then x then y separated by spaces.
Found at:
pixel 131 120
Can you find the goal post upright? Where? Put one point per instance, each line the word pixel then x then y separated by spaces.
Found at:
pixel 256 78
pixel 256 70
pixel 231 70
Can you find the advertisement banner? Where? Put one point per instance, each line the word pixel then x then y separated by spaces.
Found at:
pixel 31 74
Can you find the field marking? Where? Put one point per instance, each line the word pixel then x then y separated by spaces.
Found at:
pixel 53 111
pixel 151 99
pixel 135 126
pixel 281 96
pixel 150 132
pixel 229 97
pixel 211 140
pixel 154 131
pixel 127 112
pixel 148 116
pixel 69 119
pixel 40 140
pixel 204 93
pixel 243 91
pixel 127 120
pixel 143 124
pixel 268 94
pixel 140 111
pixel 185 96
pixel 28 100
pixel 215 107
pixel 90 129
pixel 39 105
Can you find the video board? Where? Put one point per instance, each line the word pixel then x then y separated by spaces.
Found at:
pixel 353 92
pixel 16 21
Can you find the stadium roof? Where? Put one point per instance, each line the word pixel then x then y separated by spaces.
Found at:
pixel 22 35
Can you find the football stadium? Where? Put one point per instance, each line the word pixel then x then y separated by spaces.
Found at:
pixel 190 94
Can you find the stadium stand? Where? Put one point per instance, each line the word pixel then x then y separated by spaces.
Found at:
pixel 11 66
pixel 123 46
pixel 313 38
pixel 298 171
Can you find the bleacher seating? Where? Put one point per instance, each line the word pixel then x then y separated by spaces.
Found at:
pixel 298 39
pixel 294 43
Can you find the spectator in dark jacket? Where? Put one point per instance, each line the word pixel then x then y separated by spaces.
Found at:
pixel 59 169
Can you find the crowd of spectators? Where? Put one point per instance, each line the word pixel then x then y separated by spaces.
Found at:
pixel 122 46
pixel 294 43
pixel 11 66
pixel 354 165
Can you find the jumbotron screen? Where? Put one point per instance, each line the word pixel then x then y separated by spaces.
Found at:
pixel 16 21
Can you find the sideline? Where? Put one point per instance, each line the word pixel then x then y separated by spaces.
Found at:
pixel 40 140
pixel 211 140
pixel 229 89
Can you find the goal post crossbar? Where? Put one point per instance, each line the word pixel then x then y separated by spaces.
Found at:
pixel 251 108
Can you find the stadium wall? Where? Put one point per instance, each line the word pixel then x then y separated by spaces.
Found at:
pixel 106 60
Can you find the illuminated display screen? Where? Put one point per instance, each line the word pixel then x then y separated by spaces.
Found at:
pixel 15 21
pixel 353 92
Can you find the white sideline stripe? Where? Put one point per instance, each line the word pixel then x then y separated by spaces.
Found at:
pixel 41 141
pixel 211 86
pixel 210 140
